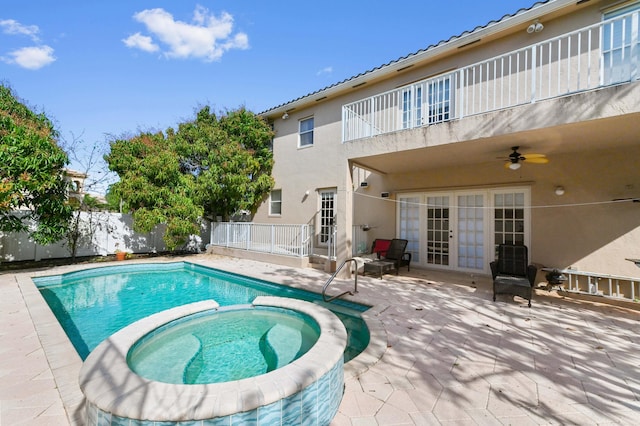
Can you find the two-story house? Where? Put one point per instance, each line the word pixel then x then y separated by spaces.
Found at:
pixel 524 130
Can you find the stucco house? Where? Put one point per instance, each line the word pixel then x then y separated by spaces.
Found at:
pixel 524 130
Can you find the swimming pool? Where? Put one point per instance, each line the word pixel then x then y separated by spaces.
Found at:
pixel 93 304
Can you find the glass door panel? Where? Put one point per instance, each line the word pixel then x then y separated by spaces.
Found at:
pixel 409 225
pixel 470 230
pixel 438 230
pixel 327 215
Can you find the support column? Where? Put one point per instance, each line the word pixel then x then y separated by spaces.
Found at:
pixel 344 218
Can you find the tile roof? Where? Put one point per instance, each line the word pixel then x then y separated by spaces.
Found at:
pixel 411 55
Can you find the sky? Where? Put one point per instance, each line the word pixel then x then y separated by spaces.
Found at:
pixel 102 70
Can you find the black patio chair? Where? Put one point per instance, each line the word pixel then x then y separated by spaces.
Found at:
pixel 511 273
pixel 397 253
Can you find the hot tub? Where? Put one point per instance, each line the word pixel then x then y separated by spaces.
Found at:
pixel 301 380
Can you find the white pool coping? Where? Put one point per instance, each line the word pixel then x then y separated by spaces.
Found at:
pixel 108 382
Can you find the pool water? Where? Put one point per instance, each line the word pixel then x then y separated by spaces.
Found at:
pixel 223 346
pixel 95 303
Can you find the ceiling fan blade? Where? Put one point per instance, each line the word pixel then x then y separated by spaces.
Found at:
pixel 537 160
pixel 528 156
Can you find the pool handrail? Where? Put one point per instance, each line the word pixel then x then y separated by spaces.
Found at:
pixel 350 293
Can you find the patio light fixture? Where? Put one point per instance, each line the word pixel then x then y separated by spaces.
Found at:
pixel 559 190
pixel 514 166
pixel 536 27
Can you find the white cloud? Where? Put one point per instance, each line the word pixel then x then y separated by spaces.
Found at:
pixel 13 27
pixel 141 42
pixel 31 58
pixel 325 70
pixel 207 37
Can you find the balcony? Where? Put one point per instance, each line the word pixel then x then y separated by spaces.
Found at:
pixel 600 55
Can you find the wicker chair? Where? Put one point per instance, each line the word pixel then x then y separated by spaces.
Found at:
pixel 397 254
pixel 511 272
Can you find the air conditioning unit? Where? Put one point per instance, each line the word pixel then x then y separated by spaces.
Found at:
pixel 384 194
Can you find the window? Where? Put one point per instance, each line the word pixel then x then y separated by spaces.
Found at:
pixel 306 132
pixel 275 202
pixel 620 46
pixel 412 113
pixel 509 218
pixel 439 100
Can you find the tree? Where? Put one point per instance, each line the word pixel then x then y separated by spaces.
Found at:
pixel 89 213
pixel 209 167
pixel 31 176
pixel 231 159
pixel 153 188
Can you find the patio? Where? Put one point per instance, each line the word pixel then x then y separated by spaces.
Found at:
pixel 449 354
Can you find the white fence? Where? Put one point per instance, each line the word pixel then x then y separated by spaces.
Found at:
pixel 599 55
pixel 103 233
pixel 286 240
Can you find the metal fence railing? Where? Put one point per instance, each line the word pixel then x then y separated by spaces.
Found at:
pixel 286 240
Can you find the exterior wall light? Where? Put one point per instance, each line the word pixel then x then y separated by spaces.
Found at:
pixel 536 27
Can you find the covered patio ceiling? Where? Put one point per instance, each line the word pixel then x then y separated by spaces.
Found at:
pixel 615 132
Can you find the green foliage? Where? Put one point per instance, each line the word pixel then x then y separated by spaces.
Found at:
pixel 153 188
pixel 211 166
pixel 230 158
pixel 31 176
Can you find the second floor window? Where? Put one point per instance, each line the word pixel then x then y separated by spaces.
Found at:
pixel 620 44
pixel 439 100
pixel 306 132
pixel 412 111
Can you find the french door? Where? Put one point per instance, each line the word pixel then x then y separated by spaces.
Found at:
pixel 460 230
pixel 327 214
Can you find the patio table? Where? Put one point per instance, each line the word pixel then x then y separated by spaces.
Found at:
pixel 378 267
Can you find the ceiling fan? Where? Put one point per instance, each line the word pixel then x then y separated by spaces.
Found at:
pixel 515 158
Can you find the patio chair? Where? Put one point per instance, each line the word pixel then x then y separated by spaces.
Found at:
pixel 393 258
pixel 379 248
pixel 398 254
pixel 511 274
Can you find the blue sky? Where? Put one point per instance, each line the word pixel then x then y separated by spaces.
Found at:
pixel 101 69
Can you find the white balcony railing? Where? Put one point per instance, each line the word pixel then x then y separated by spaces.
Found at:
pixel 286 240
pixel 599 55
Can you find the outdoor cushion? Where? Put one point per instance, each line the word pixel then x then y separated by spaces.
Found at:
pixel 380 247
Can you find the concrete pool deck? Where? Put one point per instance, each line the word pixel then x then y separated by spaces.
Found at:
pixel 449 354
